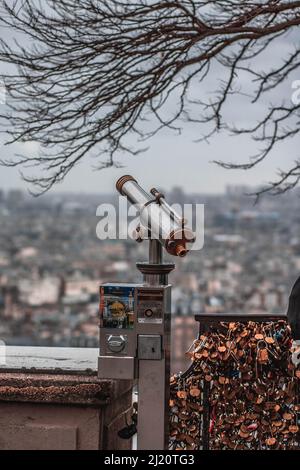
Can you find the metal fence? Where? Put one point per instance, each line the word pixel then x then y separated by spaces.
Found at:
pixel 242 389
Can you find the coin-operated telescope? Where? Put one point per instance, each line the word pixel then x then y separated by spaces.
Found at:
pixel 135 318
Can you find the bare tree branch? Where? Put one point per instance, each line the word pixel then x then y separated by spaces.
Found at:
pixel 91 74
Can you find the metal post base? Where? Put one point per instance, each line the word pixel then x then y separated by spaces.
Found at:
pixel 155 274
pixel 153 383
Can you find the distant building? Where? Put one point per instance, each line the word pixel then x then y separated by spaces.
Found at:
pixel 39 292
pixel 14 198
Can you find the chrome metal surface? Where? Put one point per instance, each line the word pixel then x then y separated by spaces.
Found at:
pixel 116 367
pixel 116 343
pixel 154 373
pixel 155 252
pixel 157 219
pixel 135 194
pixel 150 347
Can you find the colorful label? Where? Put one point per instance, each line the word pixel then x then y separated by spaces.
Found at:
pixel 117 307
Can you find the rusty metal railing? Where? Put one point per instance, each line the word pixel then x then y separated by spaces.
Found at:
pixel 269 355
pixel 214 319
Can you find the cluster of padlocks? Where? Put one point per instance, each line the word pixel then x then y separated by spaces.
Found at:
pixel 241 392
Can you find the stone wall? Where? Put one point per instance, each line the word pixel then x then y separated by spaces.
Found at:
pixel 59 403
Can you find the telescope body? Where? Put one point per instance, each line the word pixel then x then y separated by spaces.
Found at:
pixel 157 219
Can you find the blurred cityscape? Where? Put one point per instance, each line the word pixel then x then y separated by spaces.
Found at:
pixel 52 264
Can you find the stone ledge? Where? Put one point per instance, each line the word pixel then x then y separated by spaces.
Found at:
pixel 52 360
pixel 18 387
pixel 32 375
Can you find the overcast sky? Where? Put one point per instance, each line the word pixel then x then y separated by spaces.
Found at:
pixel 176 160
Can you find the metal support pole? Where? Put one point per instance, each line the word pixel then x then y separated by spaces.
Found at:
pixel 154 375
pixel 155 258
pixel 153 412
pixel 155 252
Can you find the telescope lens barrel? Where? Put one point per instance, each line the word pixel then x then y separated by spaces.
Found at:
pixel 121 181
pixel 128 186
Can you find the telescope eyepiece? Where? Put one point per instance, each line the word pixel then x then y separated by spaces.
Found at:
pixel 181 251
